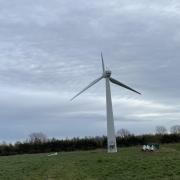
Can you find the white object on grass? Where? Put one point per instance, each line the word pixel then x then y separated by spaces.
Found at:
pixel 53 154
pixel 144 148
pixel 152 148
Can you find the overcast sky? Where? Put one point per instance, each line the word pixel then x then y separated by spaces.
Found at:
pixel 50 50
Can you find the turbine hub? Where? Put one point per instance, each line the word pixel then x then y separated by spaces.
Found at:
pixel 107 74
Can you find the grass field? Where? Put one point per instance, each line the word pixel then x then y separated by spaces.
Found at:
pixel 128 163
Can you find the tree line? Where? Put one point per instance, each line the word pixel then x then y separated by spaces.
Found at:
pixel 39 143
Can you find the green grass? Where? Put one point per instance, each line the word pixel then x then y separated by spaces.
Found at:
pixel 128 163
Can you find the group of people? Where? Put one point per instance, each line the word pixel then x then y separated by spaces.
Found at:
pixel 148 148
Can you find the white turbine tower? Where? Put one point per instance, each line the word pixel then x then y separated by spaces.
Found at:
pixel 111 138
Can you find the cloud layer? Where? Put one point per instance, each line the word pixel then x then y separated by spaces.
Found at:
pixel 50 50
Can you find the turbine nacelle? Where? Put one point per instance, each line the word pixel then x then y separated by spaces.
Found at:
pixel 107 74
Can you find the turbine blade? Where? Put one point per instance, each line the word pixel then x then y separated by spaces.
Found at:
pixel 123 85
pixel 91 84
pixel 102 62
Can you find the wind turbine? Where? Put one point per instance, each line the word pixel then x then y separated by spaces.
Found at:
pixel 111 138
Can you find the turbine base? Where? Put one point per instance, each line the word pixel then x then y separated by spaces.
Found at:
pixel 112 148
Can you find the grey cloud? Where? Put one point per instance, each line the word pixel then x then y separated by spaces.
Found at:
pixel 50 50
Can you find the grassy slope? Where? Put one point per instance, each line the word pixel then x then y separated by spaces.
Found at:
pixel 128 163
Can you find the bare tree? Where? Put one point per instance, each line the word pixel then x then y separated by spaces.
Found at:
pixel 175 129
pixel 123 133
pixel 161 130
pixel 37 137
